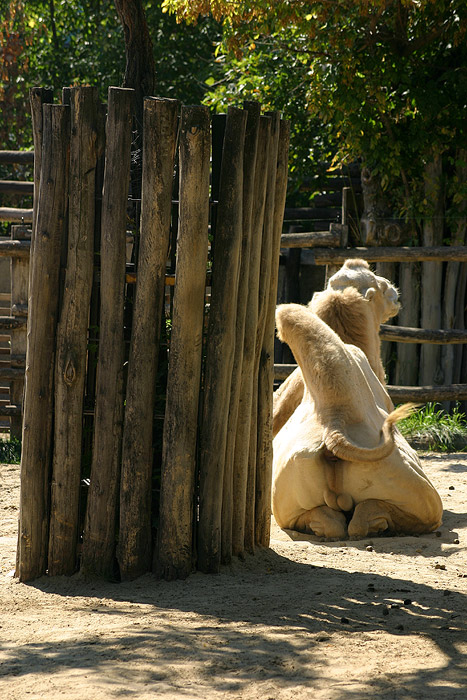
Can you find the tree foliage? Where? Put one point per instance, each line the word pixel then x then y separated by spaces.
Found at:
pixel 388 78
pixel 57 43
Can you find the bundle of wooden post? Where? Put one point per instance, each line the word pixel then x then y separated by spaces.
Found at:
pixel 216 455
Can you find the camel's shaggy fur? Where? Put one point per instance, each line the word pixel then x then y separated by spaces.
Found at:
pixel 341 467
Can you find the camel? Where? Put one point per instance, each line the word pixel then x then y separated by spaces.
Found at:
pixel 341 467
pixel 354 304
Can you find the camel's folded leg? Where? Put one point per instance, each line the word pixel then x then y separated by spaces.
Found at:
pixel 324 522
pixel 374 516
pixel 286 399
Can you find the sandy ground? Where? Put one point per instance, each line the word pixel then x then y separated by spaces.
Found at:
pixel 379 618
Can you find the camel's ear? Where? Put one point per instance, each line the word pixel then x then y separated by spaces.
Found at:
pixel 370 293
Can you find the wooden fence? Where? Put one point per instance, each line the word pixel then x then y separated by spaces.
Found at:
pixel 216 456
pixel 337 255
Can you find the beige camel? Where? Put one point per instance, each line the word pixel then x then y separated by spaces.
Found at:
pixel 341 467
pixel 354 304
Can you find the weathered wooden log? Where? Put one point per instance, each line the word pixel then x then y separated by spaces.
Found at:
pixel 430 371
pixel 37 97
pixel 400 334
pixel 17 157
pixel 408 316
pixel 159 144
pixel 11 214
pixel 248 376
pixel 220 342
pixel 12 322
pixel 98 554
pixel 11 410
pixel 313 239
pixel 16 248
pixel 266 367
pixel 19 284
pixel 423 394
pixel 174 556
pixel 249 164
pixel 71 347
pixel 256 444
pixel 331 256
pixel 43 310
pixel 309 213
pixel 17 187
pixel 10 374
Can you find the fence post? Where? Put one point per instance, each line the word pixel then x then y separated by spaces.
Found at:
pixel 70 363
pixel 19 277
pixel 38 97
pixel 263 303
pixel 43 311
pixel 220 343
pixel 249 164
pixel 100 535
pixel 248 377
pixel 159 146
pixel 174 554
pixel 266 369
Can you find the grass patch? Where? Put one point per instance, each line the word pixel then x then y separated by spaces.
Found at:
pixel 10 451
pixel 434 430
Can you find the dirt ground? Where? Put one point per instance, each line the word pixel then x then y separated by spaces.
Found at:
pixel 378 618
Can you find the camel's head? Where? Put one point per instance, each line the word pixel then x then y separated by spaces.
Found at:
pixel 378 290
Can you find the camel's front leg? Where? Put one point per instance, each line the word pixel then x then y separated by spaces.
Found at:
pixel 324 522
pixel 374 516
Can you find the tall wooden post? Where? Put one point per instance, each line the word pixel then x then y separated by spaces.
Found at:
pixel 174 555
pixel 159 145
pixel 70 368
pixel 37 96
pixel 43 311
pixel 221 342
pixel 263 304
pixel 266 369
pixel 249 164
pixel 248 376
pixel 101 516
pixel 432 272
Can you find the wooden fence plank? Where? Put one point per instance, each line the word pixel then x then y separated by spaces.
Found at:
pixel 11 214
pixel 43 309
pixel 266 367
pixel 325 256
pixel 101 516
pixel 174 556
pixel 257 417
pixel 71 345
pixel 401 334
pixel 220 342
pixel 16 248
pixel 248 377
pixel 159 146
pixel 18 157
pixel 249 164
